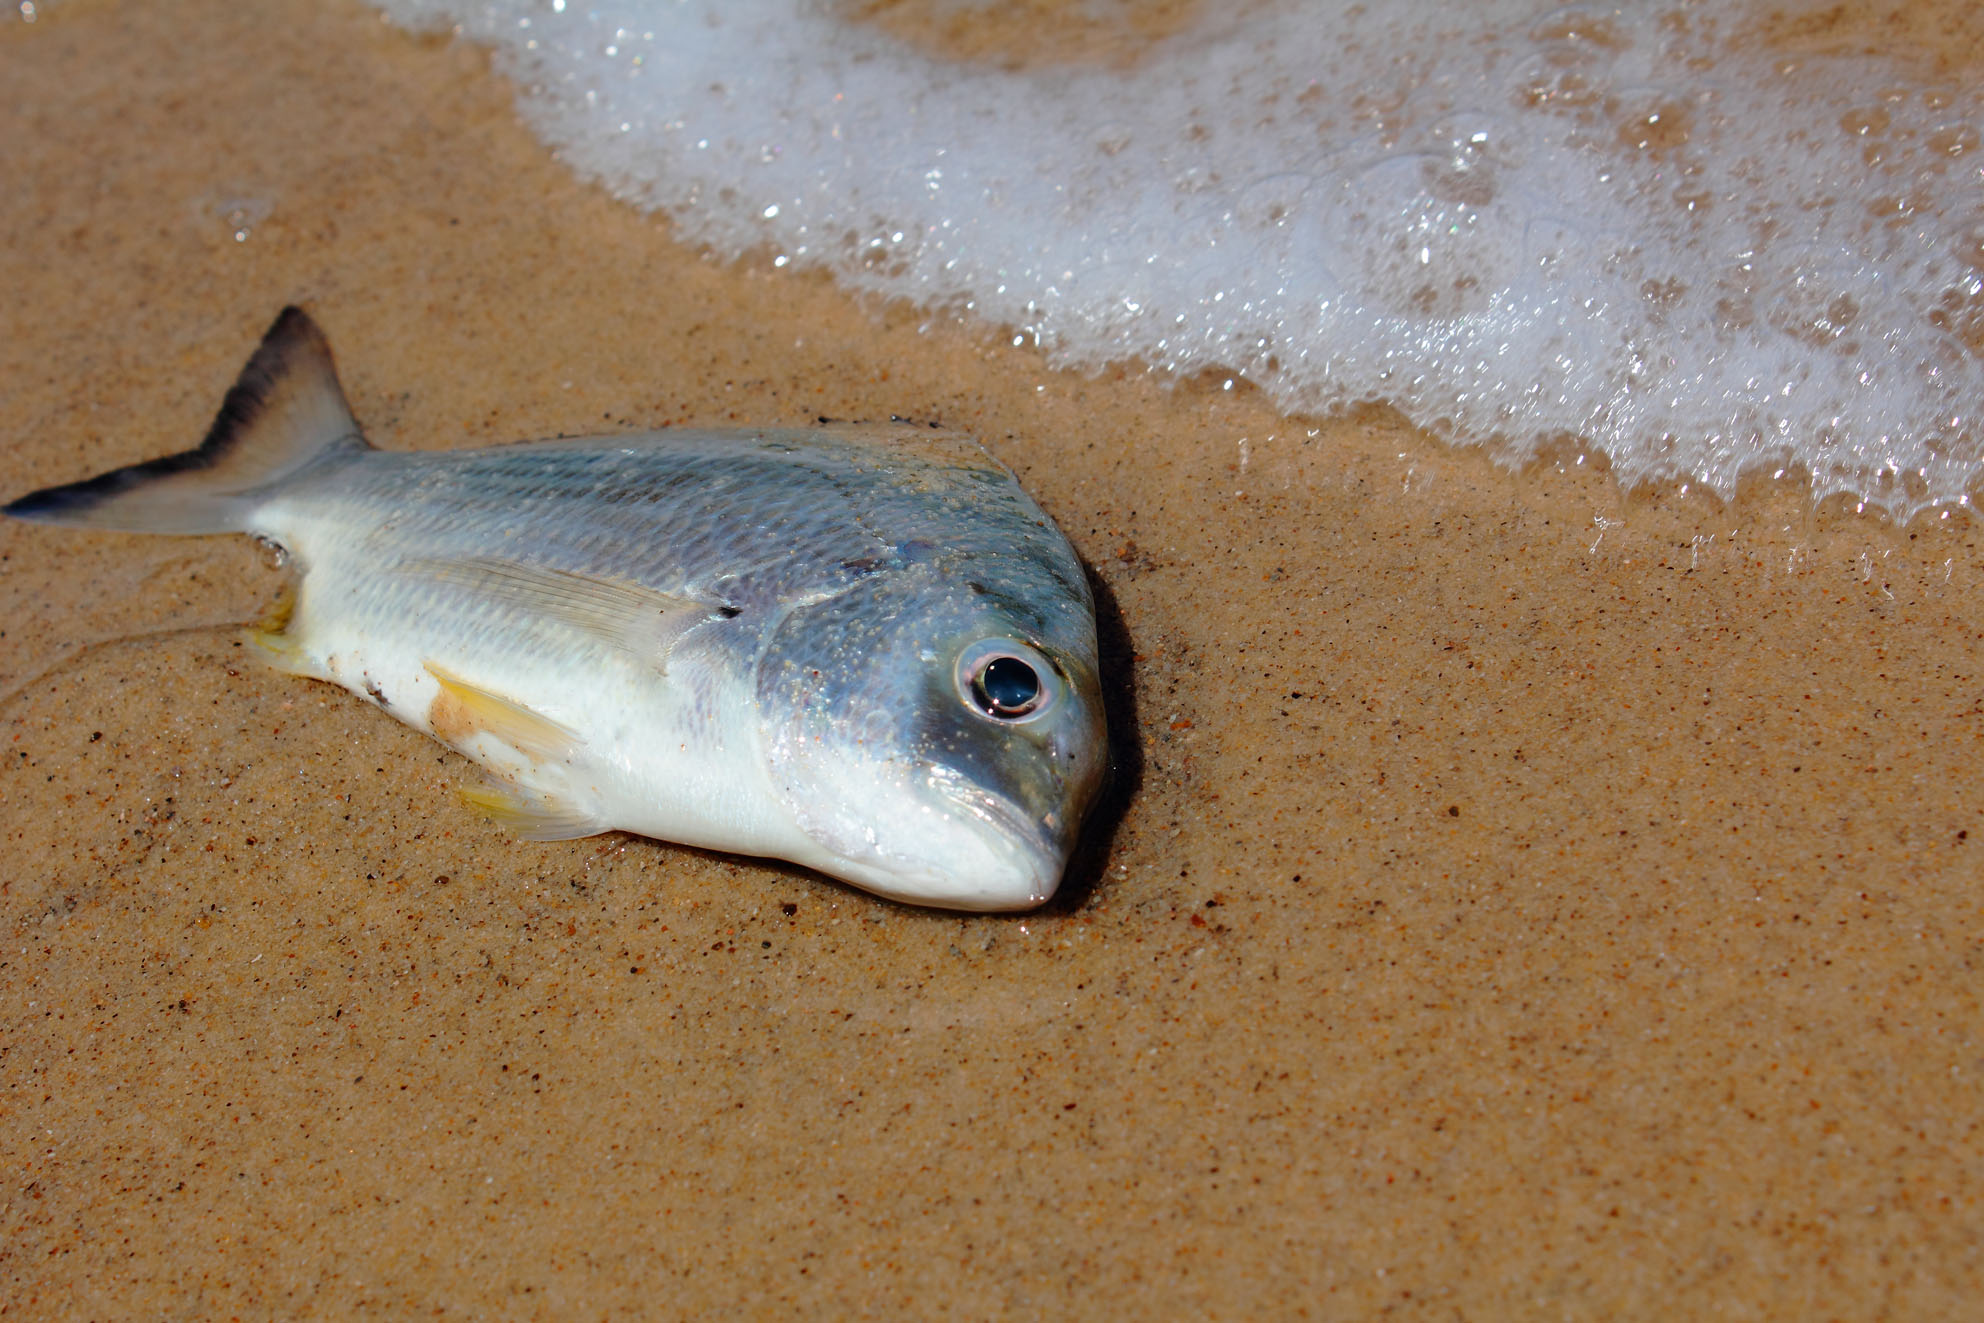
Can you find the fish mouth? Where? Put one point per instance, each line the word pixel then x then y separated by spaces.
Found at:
pixel 1027 846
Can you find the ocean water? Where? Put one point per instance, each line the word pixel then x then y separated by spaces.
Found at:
pixel 1644 228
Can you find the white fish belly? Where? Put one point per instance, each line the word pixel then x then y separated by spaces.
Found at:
pixel 615 744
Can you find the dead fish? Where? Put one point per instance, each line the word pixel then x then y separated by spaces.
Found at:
pixel 864 650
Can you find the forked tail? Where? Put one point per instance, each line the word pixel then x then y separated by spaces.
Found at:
pixel 285 412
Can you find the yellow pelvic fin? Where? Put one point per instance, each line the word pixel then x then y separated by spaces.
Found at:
pixel 533 816
pixel 461 710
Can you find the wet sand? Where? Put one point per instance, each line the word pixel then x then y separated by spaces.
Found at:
pixel 1529 899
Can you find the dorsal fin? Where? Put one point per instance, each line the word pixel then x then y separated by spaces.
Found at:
pixel 286 411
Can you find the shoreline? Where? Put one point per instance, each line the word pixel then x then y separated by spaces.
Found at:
pixel 1530 892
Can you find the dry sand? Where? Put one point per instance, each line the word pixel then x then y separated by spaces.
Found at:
pixel 1532 900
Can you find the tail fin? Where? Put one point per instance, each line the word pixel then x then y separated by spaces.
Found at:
pixel 285 411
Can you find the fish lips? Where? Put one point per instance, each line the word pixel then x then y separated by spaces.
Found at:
pixel 1026 851
pixel 938 839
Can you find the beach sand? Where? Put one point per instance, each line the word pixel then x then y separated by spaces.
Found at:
pixel 1524 898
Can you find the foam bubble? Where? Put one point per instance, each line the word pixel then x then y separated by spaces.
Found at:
pixel 1515 222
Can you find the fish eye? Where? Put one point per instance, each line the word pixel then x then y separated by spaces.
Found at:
pixel 1007 687
pixel 1005 680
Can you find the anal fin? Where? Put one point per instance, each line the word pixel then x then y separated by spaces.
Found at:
pixel 531 814
pixel 272 644
pixel 278 651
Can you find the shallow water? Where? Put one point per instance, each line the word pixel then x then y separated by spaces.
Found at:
pixel 1705 241
pixel 1533 897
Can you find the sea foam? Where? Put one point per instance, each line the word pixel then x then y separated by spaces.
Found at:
pixel 1636 226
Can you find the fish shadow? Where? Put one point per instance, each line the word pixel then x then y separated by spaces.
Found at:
pixel 1116 664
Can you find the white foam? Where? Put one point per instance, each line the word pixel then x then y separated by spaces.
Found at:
pixel 1513 221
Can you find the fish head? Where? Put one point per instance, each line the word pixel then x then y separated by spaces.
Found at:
pixel 939 740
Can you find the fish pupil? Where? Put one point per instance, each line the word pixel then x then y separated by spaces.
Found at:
pixel 1008 687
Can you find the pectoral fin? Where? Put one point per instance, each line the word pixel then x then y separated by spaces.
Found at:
pixel 461 711
pixel 530 814
pixel 639 620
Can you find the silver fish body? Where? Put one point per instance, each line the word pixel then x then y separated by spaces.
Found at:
pixel 864 650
